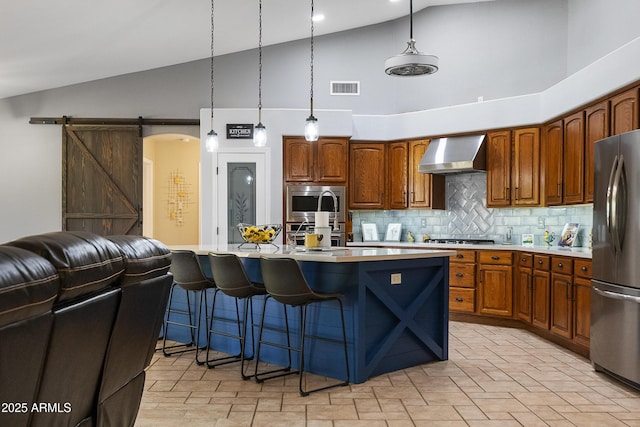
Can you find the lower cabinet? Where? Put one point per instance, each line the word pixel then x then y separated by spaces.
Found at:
pixel 462 281
pixel 495 283
pixel 562 296
pixel 541 317
pixel 582 302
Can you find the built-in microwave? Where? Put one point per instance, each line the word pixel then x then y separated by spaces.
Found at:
pixel 302 202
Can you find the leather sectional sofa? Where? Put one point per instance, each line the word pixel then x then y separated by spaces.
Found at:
pixel 80 315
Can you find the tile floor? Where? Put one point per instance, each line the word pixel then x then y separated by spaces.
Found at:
pixel 494 377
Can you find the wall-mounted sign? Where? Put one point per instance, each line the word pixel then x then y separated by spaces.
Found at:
pixel 240 131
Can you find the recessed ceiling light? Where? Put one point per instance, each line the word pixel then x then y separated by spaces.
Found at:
pixel 318 17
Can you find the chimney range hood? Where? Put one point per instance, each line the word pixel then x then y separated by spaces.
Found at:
pixel 458 154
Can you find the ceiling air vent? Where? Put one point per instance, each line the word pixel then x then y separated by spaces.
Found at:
pixel 345 88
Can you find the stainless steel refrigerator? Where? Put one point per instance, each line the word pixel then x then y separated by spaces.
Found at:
pixel 615 291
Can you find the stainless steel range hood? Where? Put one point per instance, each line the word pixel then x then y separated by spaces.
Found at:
pixel 455 155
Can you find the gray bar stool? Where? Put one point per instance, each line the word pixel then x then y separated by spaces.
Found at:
pixel 285 283
pixel 187 275
pixel 231 279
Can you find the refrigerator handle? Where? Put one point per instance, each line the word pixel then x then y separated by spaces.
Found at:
pixel 615 295
pixel 619 204
pixel 609 202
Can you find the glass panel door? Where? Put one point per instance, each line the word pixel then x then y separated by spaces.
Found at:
pixel 241 189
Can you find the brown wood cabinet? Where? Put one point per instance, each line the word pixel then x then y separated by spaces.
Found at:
pixel 582 302
pixel 561 296
pixel 596 128
pixel 624 111
pixel 552 149
pixel 322 161
pixel 495 283
pixel 524 283
pixel 573 159
pixel 462 281
pixel 398 177
pixel 367 173
pixel 513 168
pixel 425 190
pixel 541 293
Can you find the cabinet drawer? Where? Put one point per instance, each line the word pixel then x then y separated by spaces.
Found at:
pixel 496 257
pixel 462 299
pixel 541 262
pixel 464 256
pixel 525 260
pixel 462 275
pixel 562 265
pixel 582 268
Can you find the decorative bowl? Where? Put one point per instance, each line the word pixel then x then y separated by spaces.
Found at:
pixel 259 233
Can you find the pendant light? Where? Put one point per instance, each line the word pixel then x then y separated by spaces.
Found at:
pixel 311 129
pixel 411 62
pixel 260 132
pixel 211 141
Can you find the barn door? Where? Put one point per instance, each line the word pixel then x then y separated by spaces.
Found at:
pixel 102 179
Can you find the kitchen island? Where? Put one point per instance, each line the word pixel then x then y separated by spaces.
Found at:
pixel 395 301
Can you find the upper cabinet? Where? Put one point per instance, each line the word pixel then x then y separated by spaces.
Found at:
pixel 513 168
pixel 573 155
pixel 322 161
pixel 624 112
pixel 552 152
pixel 596 128
pixel 385 176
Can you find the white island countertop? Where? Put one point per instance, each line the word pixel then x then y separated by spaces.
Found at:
pixel 548 250
pixel 333 254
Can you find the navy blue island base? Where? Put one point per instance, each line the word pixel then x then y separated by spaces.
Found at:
pixel 389 326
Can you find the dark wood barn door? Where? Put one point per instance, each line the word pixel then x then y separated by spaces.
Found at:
pixel 102 179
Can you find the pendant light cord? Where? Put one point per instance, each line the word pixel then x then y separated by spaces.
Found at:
pixel 260 62
pixel 410 19
pixel 311 90
pixel 212 52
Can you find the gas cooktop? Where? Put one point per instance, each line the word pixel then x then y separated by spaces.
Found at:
pixel 462 241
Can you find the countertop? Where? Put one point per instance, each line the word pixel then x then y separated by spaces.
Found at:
pixel 333 254
pixel 548 250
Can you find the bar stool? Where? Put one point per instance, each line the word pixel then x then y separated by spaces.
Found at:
pixel 285 283
pixel 231 279
pixel 187 275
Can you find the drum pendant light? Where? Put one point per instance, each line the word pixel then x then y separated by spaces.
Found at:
pixel 211 141
pixel 311 129
pixel 411 62
pixel 260 132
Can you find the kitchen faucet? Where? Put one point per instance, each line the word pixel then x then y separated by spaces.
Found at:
pixel 335 207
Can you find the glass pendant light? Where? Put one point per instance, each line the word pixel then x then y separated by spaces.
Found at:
pixel 211 141
pixel 311 129
pixel 260 132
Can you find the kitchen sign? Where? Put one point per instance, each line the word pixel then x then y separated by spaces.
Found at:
pixel 240 131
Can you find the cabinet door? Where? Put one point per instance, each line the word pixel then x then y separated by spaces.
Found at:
pixel 624 112
pixel 573 163
pixel 495 290
pixel 332 160
pixel 581 311
pixel 397 167
pixel 523 294
pixel 499 169
pixel 366 175
pixel 525 178
pixel 298 159
pixel 540 312
pixel 425 190
pixel 552 163
pixel 596 128
pixel 561 305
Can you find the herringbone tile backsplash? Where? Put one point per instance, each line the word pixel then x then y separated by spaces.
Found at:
pixel 467 216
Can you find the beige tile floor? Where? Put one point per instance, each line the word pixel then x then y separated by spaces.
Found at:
pixel 494 377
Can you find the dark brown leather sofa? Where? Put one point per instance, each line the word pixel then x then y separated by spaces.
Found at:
pixel 79 319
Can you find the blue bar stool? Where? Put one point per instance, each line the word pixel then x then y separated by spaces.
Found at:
pixel 231 279
pixel 285 283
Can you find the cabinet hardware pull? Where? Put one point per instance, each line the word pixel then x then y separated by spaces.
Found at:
pixel 495 257
pixel 539 261
pixel 459 274
pixel 459 256
pixel 524 260
pixel 459 299
pixel 583 268
pixel 560 265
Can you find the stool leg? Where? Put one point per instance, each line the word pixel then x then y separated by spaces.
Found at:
pixel 168 322
pixel 286 370
pixel 213 362
pixel 203 298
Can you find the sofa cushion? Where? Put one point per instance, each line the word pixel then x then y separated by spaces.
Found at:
pixel 85 262
pixel 28 285
pixel 144 258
